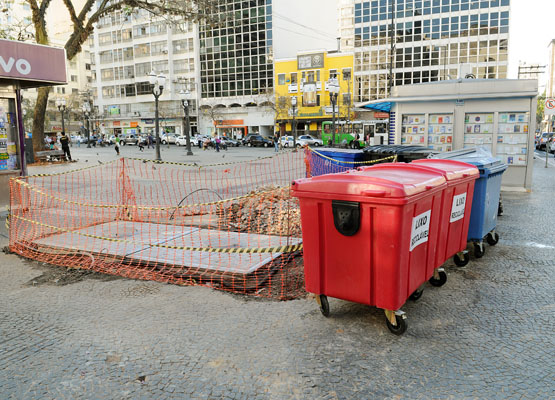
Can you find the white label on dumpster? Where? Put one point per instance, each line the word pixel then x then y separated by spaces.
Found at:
pixel 420 229
pixel 457 210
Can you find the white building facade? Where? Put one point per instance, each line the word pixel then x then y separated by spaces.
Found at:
pixel 126 48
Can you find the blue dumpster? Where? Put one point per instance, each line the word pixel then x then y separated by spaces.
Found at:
pixel 330 161
pixel 485 202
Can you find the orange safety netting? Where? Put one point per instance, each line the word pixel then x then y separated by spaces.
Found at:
pixel 229 226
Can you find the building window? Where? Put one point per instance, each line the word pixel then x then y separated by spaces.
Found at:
pixel 346 74
pixel 293 78
pixel 144 88
pixel 107 74
pixel 88 67
pixel 142 50
pixel 105 38
pixel 281 79
pixel 333 74
pixel 74 78
pixel 143 69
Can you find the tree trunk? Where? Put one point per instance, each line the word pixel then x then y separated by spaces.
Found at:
pixel 38 119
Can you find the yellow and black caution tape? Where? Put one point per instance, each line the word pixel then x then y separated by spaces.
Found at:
pixel 144 160
pixel 147 208
pixel 394 158
pixel 71 171
pixel 238 250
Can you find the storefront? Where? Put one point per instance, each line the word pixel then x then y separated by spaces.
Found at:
pixel 499 115
pixel 22 66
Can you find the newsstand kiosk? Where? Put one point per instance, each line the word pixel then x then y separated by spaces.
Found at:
pixel 22 66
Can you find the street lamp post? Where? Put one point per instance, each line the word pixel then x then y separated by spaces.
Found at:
pixel 333 87
pixel 185 104
pixel 87 112
pixel 157 82
pixel 294 127
pixel 61 103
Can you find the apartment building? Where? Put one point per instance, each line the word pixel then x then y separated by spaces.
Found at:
pixel 125 48
pixel 236 70
pixel 431 40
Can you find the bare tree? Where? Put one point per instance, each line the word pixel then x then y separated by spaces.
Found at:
pixel 214 113
pixel 18 29
pixel 83 22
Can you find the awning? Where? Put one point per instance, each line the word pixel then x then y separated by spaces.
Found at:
pixel 384 106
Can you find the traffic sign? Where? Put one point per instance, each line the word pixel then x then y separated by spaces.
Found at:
pixel 549 107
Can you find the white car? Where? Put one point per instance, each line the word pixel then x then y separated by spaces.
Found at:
pixel 304 140
pixel 168 138
pixel 286 141
pixel 182 141
pixel 551 146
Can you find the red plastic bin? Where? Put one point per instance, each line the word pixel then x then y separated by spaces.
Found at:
pixel 457 204
pixel 370 235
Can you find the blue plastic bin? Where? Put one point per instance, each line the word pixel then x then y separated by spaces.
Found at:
pixel 331 163
pixel 483 217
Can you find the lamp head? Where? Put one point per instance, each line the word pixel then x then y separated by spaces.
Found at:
pixel 161 81
pixel 294 101
pixel 152 77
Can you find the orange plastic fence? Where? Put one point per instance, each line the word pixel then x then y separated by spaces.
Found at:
pixel 229 226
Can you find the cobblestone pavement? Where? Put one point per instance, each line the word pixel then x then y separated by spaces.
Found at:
pixel 488 333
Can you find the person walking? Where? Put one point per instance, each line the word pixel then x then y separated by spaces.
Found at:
pixel 150 141
pixel 116 147
pixel 64 141
pixel 276 142
pixel 218 144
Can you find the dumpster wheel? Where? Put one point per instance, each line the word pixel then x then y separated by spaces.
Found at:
pixel 396 322
pixel 416 294
pixel 479 249
pixel 461 259
pixel 322 300
pixel 439 278
pixel 492 238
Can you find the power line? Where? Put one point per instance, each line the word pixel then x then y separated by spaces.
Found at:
pixel 299 33
pixel 323 33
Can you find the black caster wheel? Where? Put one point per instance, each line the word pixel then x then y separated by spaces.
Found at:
pixel 400 328
pixel 439 282
pixel 416 295
pixel 324 305
pixel 479 250
pixel 492 238
pixel 461 262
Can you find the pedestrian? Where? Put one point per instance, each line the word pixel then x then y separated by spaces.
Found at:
pixel 64 141
pixel 116 147
pixel 276 142
pixel 79 138
pixel 141 144
pixel 199 140
pixel 218 141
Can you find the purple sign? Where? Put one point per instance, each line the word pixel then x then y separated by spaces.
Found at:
pixel 32 62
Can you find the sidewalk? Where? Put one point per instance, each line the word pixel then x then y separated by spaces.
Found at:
pixel 486 334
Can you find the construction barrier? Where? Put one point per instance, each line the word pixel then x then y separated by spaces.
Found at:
pixel 231 226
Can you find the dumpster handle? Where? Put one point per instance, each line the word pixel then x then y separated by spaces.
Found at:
pixel 428 187
pixel 374 193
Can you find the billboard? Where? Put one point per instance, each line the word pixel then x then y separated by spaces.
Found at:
pixel 32 62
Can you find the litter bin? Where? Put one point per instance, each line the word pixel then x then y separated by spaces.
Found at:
pixel 404 153
pixel 330 161
pixel 485 202
pixel 370 235
pixel 456 208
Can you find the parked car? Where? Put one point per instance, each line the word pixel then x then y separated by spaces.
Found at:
pixel 286 141
pixel 182 141
pixel 543 139
pixel 168 138
pixel 247 138
pixel 129 139
pixel 258 140
pixel 231 142
pixel 551 145
pixel 309 140
pixel 111 139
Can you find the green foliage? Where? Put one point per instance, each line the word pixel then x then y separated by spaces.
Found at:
pixel 539 109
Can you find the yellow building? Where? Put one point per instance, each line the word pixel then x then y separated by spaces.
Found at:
pixel 307 80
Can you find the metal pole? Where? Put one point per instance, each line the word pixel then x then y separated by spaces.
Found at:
pixel 158 156
pixel 88 119
pixel 62 109
pixel 185 104
pixel 21 132
pixel 333 100
pixel 294 127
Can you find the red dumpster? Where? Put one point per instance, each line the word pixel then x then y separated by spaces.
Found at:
pixel 370 235
pixel 456 207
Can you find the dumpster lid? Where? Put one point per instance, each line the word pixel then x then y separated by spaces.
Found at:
pixel 480 157
pixel 386 180
pixel 452 169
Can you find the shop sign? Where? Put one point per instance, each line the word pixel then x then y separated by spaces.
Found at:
pixel 117 123
pixel 381 115
pixel 231 122
pixel 133 124
pixel 148 121
pixel 309 61
pixel 32 62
